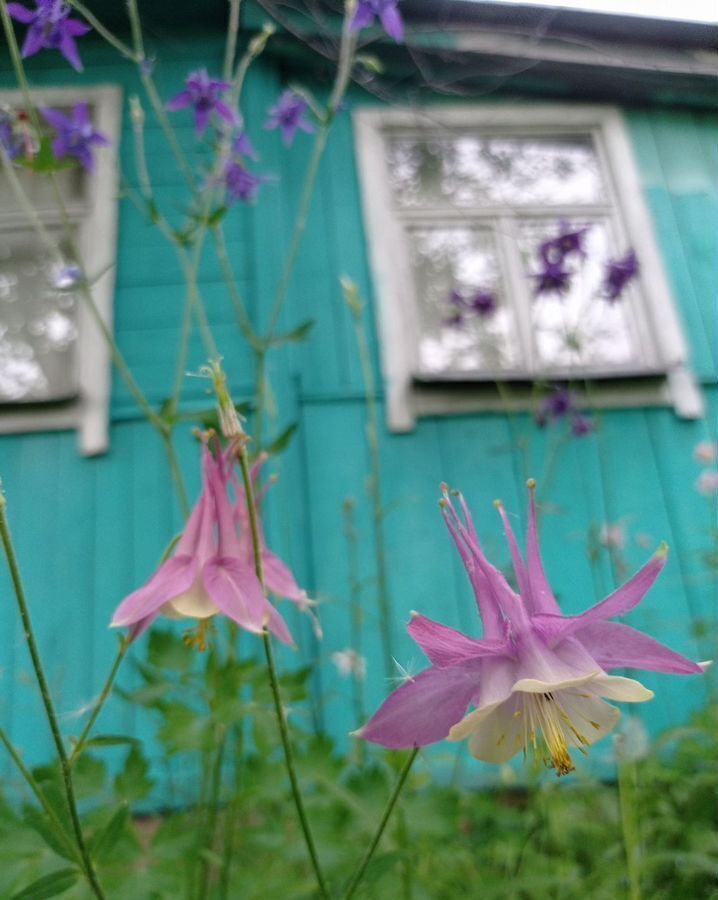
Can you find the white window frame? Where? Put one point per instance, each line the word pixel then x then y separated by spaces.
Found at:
pixel 96 222
pixel 405 401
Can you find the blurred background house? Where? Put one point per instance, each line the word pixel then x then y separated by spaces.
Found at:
pixel 457 154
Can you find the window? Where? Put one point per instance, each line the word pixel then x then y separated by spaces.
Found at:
pixel 457 202
pixel 54 365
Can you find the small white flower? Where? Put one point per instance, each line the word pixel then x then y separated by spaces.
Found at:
pixel 349 663
pixel 707 482
pixel 613 536
pixel 705 452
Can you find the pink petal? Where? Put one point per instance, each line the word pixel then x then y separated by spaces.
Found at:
pixel 278 626
pixel 542 598
pixel 516 558
pixel 446 647
pixel 174 577
pixel 614 645
pixel 422 710
pixel 236 591
pixel 279 579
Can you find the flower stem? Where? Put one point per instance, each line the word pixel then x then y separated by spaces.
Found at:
pixel 97 709
pixel 629 825
pixel 9 549
pixel 359 874
pixel 42 800
pixel 274 683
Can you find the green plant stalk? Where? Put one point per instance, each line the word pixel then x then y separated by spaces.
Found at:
pixel 361 869
pixel 274 683
pixel 356 612
pixel 233 811
pixel 231 45
pixel 42 800
pixel 11 558
pixel 97 709
pixel 102 30
pixel 627 795
pixel 374 482
pixel 212 817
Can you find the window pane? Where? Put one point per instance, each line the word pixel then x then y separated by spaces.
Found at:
pixel 463 260
pixel 579 328
pixel 466 170
pixel 38 324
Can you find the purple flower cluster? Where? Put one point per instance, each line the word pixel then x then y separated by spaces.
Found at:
pixel 75 135
pixel 554 277
pixel 289 115
pixel 242 184
pixel 618 275
pixel 204 95
pixel 384 10
pixel 51 28
pixel 558 404
pixel 481 303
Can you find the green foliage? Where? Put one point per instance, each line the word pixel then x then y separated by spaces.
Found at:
pixel 552 840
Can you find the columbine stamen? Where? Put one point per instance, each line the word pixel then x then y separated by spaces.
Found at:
pixel 552 722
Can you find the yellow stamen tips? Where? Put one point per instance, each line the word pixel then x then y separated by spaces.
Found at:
pixel 531 484
pixel 595 725
pixel 501 739
pixel 517 714
pixel 498 504
pixel 443 502
pixel 662 551
pixel 198 637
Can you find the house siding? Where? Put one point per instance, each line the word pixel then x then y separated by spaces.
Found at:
pixel 88 531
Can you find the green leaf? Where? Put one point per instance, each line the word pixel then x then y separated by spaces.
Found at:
pixel 110 740
pixel 40 823
pixel 281 442
pixel 168 651
pixel 296 335
pixel 104 840
pixel 216 217
pixel 134 782
pixel 168 411
pixel 90 774
pixel 44 160
pixel 49 885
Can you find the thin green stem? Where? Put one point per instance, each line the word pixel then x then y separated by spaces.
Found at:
pixel 213 811
pixel 102 30
pixel 361 869
pixel 97 708
pixel 274 682
pixel 629 824
pixel 243 319
pixel 40 796
pixel 46 700
pixel 230 48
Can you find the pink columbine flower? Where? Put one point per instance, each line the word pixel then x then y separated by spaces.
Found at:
pixel 208 572
pixel 537 679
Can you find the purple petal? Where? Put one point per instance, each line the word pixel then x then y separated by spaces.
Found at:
pixel 279 578
pixel 21 13
pixel 542 599
pixel 34 41
pixel 225 112
pixel 614 645
pixel 179 101
pixel 393 25
pixel 516 558
pixel 75 28
pixel 55 118
pixel 422 710
pixel 363 17
pixel 236 591
pixel 446 647
pixel 68 48
pixel 201 120
pixel 174 577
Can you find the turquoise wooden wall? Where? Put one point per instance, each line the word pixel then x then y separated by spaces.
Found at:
pixel 90 530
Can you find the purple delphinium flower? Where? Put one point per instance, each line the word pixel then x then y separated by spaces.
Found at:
pixel 385 10
pixel 208 572
pixel 11 142
pixel 537 679
pixel 204 95
pixel 243 146
pixel 580 425
pixel 569 240
pixel 455 320
pixel 288 115
pixel 553 278
pixel 557 404
pixel 483 303
pixel 618 274
pixel 75 135
pixel 241 183
pixel 50 28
